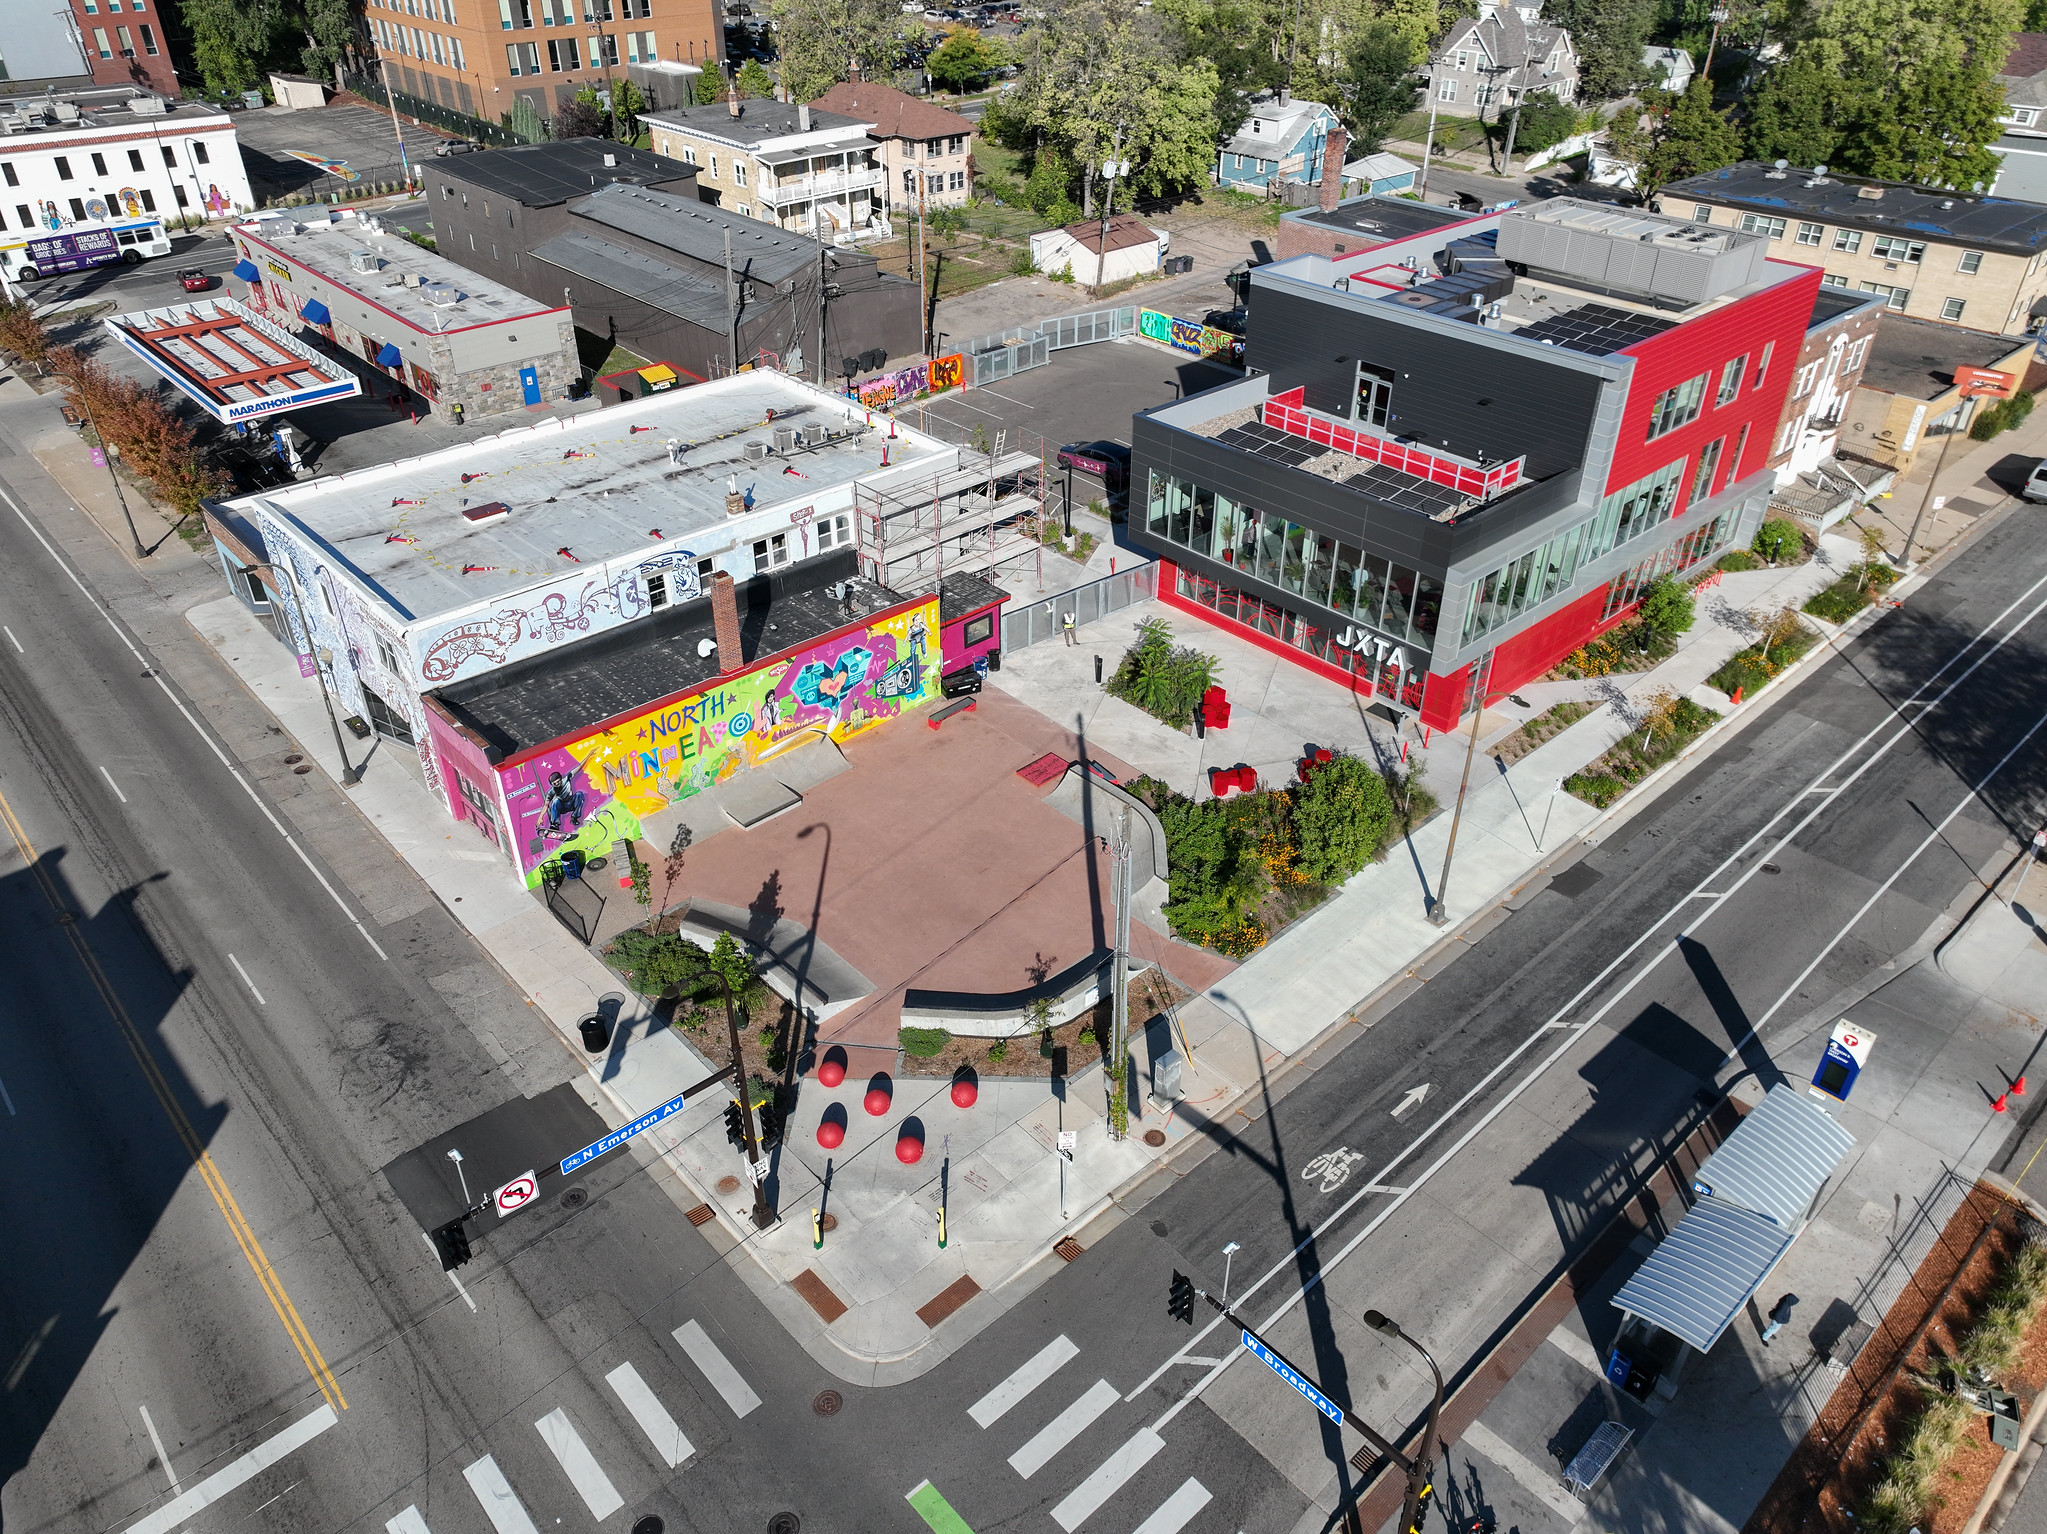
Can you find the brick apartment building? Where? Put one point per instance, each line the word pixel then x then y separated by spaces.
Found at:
pixel 1463 454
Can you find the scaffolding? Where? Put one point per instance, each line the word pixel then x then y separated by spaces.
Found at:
pixel 981 515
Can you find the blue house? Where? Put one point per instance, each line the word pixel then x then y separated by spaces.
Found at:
pixel 1281 140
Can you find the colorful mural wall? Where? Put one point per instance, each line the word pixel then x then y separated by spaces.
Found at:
pixel 1190 336
pixel 585 793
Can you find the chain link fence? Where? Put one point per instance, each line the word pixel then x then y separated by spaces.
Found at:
pixel 447 119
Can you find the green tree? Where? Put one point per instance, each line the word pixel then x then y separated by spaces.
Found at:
pixel 730 960
pixel 627 103
pixel 754 81
pixel 1381 85
pixel 710 87
pixel 1690 140
pixel 328 27
pixel 822 39
pixel 526 123
pixel 1666 606
pixel 1342 816
pixel 1795 114
pixel 963 59
pixel 1609 36
pixel 580 116
pixel 1933 130
pixel 1544 122
pixel 233 41
pixel 1230 34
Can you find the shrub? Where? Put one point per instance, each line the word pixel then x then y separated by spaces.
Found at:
pixel 1166 680
pixel 2002 416
pixel 655 962
pixel 1666 606
pixel 1021 264
pixel 22 333
pixel 923 1043
pixel 1342 816
pixel 730 960
pixel 1855 590
pixel 999 1051
pixel 1778 540
pixel 1736 560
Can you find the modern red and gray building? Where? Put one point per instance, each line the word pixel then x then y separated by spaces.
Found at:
pixel 1460 455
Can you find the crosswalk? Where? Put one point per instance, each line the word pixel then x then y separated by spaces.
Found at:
pixel 1054 1438
pixel 579 1465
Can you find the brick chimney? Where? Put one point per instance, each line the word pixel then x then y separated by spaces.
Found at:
pixel 725 621
pixel 732 95
pixel 1332 168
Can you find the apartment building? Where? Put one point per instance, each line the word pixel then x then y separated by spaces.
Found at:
pixel 1461 455
pixel 927 153
pixel 790 165
pixel 480 56
pixel 1943 256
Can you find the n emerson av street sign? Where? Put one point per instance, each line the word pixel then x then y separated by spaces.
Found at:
pixel 640 1125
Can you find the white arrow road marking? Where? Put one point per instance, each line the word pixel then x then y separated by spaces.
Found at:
pixel 1413 1100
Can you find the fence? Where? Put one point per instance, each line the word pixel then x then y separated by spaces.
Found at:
pixel 1085 329
pixel 1004 354
pixel 1036 621
pixel 420 110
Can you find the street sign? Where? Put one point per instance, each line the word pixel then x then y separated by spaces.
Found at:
pixel 1295 1378
pixel 1068 1139
pixel 756 1172
pixel 1846 1053
pixel 618 1137
pixel 516 1194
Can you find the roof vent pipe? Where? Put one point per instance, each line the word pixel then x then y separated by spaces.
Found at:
pixel 803 119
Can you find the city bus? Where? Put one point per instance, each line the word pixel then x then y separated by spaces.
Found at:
pixel 27 257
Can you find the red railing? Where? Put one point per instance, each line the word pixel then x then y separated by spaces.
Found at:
pixel 1285 414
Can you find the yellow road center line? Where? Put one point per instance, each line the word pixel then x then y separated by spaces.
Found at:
pixel 210 1174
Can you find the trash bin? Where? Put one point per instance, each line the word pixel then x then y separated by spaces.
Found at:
pixel 572 863
pixel 596 1033
pixel 455 412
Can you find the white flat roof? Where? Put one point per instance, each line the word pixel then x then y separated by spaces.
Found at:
pixel 325 249
pixel 600 485
pixel 232 362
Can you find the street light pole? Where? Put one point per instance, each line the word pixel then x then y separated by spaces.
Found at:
pixel 350 776
pixel 1414 1507
pixel 763 1216
pixel 1439 909
pixel 106 455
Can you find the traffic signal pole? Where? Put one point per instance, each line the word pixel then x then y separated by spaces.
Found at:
pixel 763 1216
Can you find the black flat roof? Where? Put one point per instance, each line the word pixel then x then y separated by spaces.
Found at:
pixel 1830 304
pixel 1990 223
pixel 1918 358
pixel 542 175
pixel 1383 218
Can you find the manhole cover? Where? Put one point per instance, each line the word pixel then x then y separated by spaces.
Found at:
pixel 576 1198
pixel 1772 868
pixel 293 760
pixel 1160 1228
pixel 1154 1138
pixel 728 1185
pixel 829 1223
pixel 784 1523
pixel 648 1525
pixel 826 1403
pixel 302 769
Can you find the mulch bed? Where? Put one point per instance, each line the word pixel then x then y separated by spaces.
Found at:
pixel 1036 1054
pixel 1842 1456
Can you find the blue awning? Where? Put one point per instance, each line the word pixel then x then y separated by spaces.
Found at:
pixel 389 357
pixel 315 313
pixel 246 270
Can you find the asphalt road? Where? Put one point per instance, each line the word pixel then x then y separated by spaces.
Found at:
pixel 217 962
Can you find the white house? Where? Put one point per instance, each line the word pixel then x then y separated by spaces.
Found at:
pixel 1669 67
pixel 1133 248
pixel 84 161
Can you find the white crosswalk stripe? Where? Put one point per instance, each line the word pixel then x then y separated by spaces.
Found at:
pixel 1050 1358
pixel 1063 1429
pixel 717 1368
pixel 407 1522
pixel 1173 1513
pixel 652 1416
pixel 492 1490
pixel 579 1464
pixel 1107 1480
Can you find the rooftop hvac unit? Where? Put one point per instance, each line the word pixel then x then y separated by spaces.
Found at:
pixel 443 295
pixel 754 452
pixel 148 106
pixel 785 439
pixel 363 261
pixel 67 111
pixel 816 433
pixel 1870 193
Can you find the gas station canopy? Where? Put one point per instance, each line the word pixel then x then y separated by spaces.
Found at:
pixel 232 362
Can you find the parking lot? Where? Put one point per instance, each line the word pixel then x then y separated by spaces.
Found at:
pixel 360 136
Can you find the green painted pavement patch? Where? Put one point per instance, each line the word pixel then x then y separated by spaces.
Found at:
pixel 936 1511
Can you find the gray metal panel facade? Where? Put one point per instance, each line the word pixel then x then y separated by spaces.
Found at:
pixel 1702 1274
pixel 1780 1157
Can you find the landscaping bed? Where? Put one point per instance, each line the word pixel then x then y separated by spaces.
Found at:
pixel 1543 728
pixel 1885 1453
pixel 1634 646
pixel 1778 544
pixel 1748 671
pixel 656 961
pixel 1861 586
pixel 1068 1049
pixel 1671 723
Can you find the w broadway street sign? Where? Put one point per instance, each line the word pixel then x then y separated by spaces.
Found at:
pixel 1294 1377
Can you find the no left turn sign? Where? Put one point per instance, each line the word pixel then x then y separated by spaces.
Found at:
pixel 516 1194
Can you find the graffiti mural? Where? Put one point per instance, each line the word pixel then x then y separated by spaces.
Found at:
pixel 587 792
pixel 946 372
pixel 894 388
pixel 1190 336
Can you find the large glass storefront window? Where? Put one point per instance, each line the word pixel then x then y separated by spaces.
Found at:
pixel 1625 589
pixel 1354 586
pixel 1382 668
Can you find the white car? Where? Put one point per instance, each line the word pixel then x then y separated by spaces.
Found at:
pixel 2035 488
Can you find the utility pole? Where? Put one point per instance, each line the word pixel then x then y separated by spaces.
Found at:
pixel 1119 978
pixel 349 775
pixel 1968 391
pixel 1111 169
pixel 1439 911
pixel 926 301
pixel 731 300
pixel 1429 147
pixel 821 284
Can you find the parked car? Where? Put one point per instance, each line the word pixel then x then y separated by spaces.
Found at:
pixel 193 280
pixel 2035 487
pixel 456 146
pixel 1108 461
pixel 1232 320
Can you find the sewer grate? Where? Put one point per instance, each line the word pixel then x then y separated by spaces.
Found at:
pixel 648 1525
pixel 1068 1248
pixel 703 1214
pixel 574 1198
pixel 826 1403
pixel 784 1523
pixel 302 769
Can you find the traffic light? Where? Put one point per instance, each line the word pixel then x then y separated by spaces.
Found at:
pixel 1417 1509
pixel 451 1241
pixel 767 1121
pixel 735 1124
pixel 1180 1298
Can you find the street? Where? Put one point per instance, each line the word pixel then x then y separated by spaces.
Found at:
pixel 252 984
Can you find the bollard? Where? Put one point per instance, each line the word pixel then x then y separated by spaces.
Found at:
pixel 832 1070
pixel 596 1033
pixel 1098 670
pixel 816 1231
pixel 965 1092
pixel 941 1227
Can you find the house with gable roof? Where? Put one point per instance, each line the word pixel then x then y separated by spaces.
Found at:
pixel 1280 141
pixel 1490 63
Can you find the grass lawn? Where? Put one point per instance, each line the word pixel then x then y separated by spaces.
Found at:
pixel 1452 133
pixel 599 354
pixel 962 263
